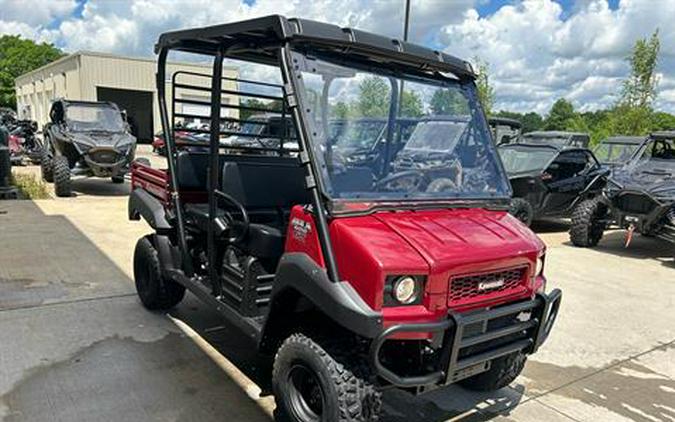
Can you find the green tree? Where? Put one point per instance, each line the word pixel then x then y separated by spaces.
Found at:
pixel 448 102
pixel 632 115
pixel 411 104
pixel 662 121
pixel 374 97
pixel 486 92
pixel 639 90
pixel 532 121
pixel 18 56
pixel 340 110
pixel 244 114
pixel 562 112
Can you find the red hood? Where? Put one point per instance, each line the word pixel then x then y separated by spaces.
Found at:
pixel 439 243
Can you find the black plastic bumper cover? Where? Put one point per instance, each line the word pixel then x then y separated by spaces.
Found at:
pixel 543 313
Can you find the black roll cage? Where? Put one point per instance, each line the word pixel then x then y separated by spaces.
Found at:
pixel 268 40
pixel 288 101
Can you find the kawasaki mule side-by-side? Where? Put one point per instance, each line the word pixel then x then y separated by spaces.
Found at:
pixel 349 279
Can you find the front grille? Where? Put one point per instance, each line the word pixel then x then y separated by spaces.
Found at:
pixel 472 288
pixel 635 203
pixel 104 156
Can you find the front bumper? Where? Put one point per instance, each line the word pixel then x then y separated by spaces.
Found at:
pixel 458 364
pixel 105 162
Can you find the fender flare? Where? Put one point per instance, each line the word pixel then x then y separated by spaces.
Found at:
pixel 338 301
pixel 142 204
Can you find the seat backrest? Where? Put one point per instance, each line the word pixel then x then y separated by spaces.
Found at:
pixel 191 170
pixel 264 182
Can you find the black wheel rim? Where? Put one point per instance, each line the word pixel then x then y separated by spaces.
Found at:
pixel 306 397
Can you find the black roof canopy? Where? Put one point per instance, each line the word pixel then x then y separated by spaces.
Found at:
pixel 256 40
pixel 663 134
pixel 634 140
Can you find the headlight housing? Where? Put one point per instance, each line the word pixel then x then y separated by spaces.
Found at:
pixel 403 290
pixel 539 268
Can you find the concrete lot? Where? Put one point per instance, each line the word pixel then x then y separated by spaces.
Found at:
pixel 75 344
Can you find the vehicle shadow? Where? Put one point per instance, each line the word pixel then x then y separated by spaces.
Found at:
pixel 95 186
pixel 641 247
pixel 83 348
pixel 550 226
pixel 452 402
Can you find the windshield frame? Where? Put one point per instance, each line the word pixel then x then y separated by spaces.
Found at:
pixel 499 200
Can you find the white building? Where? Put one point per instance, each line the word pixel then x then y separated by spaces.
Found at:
pixel 127 81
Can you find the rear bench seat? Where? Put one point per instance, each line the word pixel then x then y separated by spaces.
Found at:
pixel 267 186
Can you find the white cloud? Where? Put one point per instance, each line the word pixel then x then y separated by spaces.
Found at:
pixel 538 55
pixel 36 12
pixel 537 52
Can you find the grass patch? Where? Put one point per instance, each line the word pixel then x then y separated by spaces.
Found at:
pixel 30 187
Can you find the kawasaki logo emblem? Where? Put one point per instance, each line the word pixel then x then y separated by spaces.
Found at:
pixel 490 285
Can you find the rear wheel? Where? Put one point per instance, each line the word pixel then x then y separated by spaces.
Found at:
pixel 314 383
pixel 46 165
pixel 155 292
pixel 503 371
pixel 522 210
pixel 61 176
pixel 588 222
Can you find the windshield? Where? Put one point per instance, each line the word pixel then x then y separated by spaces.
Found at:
pixel 361 134
pixel 94 117
pixel 253 127
pixel 449 153
pixel 519 159
pixel 615 153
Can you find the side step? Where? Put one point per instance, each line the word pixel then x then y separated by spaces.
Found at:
pixel 248 290
pixel 251 327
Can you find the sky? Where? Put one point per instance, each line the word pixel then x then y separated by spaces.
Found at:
pixel 537 50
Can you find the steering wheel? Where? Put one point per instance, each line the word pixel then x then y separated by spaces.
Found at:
pixel 229 222
pixel 395 182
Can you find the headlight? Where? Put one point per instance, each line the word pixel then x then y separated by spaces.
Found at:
pixel 539 270
pixel 405 290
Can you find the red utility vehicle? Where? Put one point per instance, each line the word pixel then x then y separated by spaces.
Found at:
pixel 350 279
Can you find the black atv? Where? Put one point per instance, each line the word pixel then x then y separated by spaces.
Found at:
pixel 640 197
pixel 85 139
pixel 549 180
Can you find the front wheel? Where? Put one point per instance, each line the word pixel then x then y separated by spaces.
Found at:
pixel 588 222
pixel 117 179
pixel 503 371
pixel 61 170
pixel 522 210
pixel 155 292
pixel 46 165
pixel 313 383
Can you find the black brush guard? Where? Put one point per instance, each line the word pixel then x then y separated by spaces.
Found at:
pixel 543 311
